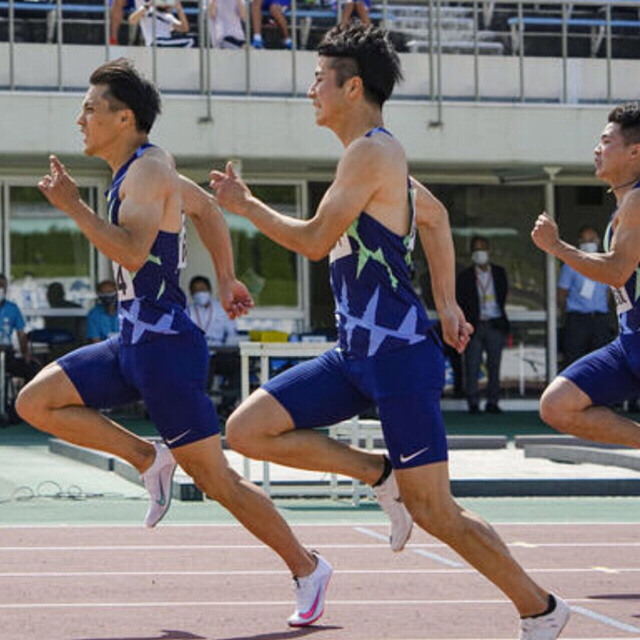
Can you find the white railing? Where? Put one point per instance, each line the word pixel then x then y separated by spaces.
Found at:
pixel 459 52
pixel 353 430
pixel 265 351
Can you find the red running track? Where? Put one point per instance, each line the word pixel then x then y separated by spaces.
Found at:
pixel 217 582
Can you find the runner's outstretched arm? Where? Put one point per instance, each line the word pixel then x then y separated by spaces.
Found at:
pixel 212 229
pixel 357 178
pixel 613 267
pixel 129 242
pixel 435 234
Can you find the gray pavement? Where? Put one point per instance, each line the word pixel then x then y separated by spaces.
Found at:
pixel 39 487
pixel 27 467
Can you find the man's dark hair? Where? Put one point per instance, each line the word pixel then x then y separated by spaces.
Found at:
pixel 365 51
pixel 103 283
pixel 128 89
pixel 196 279
pixel 627 116
pixel 477 238
pixel 587 227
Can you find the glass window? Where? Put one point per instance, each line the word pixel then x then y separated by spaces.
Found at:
pixel 269 270
pixel 45 245
pixel 504 214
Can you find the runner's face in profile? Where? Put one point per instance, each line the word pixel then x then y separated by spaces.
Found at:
pixel 325 93
pixel 611 154
pixel 98 121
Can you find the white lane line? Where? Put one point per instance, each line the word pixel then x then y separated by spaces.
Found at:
pixel 225 547
pixel 258 603
pixel 314 524
pixel 178 547
pixel 573 544
pixel 421 552
pixel 372 534
pixel 276 572
pixel 437 558
pixel 612 622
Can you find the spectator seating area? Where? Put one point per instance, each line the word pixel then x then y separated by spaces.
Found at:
pixel 486 27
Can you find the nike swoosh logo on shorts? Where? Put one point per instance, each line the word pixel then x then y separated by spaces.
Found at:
pixel 174 440
pixel 404 459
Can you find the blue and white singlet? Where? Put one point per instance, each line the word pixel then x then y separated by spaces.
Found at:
pixel 627 298
pixel 150 301
pixel 377 308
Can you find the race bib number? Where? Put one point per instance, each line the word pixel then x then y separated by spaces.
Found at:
pixel 124 283
pixel 341 249
pixel 622 300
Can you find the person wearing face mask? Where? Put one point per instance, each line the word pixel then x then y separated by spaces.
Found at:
pixel 102 320
pixel 585 304
pixel 208 314
pixel 481 291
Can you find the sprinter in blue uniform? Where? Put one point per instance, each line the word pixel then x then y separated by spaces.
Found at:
pixel 160 355
pixel 387 353
pixel 578 401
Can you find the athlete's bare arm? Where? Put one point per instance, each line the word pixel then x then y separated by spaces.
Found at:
pixel 432 220
pixel 613 267
pixel 212 229
pixel 144 193
pixel 358 178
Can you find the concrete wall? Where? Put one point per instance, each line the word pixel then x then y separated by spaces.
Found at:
pixel 283 130
pixel 487 134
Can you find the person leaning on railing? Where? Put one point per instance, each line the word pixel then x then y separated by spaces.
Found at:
pixel 158 23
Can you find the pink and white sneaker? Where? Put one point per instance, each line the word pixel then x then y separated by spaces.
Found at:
pixel 157 479
pixel 310 593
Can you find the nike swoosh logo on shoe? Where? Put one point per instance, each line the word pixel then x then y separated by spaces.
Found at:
pixel 162 500
pixel 404 459
pixel 314 606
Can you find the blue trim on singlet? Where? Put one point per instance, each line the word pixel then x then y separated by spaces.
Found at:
pixel 628 321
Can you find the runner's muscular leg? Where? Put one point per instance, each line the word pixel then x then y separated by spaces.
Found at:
pixel 426 493
pixel 261 428
pixel 51 403
pixel 565 407
pixel 205 462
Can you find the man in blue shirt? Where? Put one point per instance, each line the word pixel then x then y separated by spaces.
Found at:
pixel 11 320
pixel 585 304
pixel 102 320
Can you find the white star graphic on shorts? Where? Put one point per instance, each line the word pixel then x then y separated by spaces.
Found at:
pixel 406 331
pixel 162 325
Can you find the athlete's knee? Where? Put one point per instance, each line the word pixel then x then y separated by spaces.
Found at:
pixel 31 403
pixel 440 518
pixel 245 434
pixel 199 471
pixel 549 407
pixel 214 482
pixel 237 434
pixel 556 407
